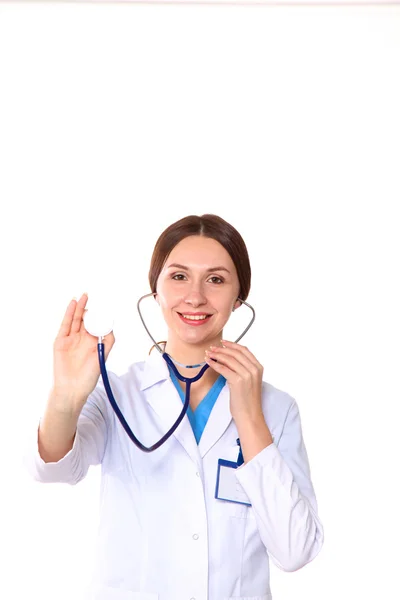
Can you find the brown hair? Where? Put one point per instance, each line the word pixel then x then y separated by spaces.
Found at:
pixel 210 226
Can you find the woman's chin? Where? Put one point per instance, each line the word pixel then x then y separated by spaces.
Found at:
pixel 203 341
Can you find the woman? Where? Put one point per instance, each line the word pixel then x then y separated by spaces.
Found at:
pixel 165 531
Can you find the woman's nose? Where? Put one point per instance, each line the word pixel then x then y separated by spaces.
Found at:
pixel 195 297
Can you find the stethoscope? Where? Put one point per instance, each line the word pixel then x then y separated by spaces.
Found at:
pixel 100 331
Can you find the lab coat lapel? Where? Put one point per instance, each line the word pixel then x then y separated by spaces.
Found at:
pixel 166 402
pixel 218 422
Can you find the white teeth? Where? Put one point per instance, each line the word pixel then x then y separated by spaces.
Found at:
pixel 195 318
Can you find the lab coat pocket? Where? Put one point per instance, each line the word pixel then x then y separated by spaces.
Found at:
pixel 239 511
pixel 111 593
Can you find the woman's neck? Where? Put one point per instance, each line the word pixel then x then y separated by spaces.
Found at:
pixel 191 354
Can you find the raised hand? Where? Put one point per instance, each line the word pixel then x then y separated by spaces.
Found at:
pixel 76 364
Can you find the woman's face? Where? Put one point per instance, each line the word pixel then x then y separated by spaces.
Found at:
pixel 199 278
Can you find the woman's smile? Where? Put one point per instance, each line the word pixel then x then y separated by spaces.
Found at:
pixel 195 319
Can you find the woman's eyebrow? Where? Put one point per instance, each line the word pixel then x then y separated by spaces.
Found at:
pixel 178 266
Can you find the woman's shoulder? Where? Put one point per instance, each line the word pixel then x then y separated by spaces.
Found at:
pixel 279 409
pixel 132 373
pixel 275 399
pixel 141 373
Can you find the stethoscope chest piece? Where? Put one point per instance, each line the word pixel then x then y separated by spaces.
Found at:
pixel 98 323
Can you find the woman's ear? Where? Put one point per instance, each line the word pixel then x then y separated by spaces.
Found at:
pixel 236 305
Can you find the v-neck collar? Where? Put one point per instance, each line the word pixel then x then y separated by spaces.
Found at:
pixel 215 388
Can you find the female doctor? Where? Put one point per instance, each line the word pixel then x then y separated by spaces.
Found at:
pixel 167 531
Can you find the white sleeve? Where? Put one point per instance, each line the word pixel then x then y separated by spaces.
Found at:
pixel 88 447
pixel 278 483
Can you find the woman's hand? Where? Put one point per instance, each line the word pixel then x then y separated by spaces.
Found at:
pixel 76 364
pixel 244 374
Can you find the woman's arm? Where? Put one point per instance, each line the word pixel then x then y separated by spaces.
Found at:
pixel 278 484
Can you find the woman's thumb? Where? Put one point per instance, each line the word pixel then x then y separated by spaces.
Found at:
pixel 108 341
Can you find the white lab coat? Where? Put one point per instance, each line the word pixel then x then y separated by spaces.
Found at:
pixel 162 533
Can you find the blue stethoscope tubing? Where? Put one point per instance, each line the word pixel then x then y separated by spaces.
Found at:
pixel 167 358
pixel 189 381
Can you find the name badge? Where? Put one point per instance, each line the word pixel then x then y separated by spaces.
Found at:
pixel 227 487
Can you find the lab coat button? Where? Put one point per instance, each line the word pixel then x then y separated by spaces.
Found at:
pixel 196 536
pixel 198 475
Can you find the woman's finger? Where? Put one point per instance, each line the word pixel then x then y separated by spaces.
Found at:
pixel 82 327
pixel 79 310
pixel 228 361
pixel 220 368
pixel 108 343
pixel 242 358
pixel 242 349
pixel 67 320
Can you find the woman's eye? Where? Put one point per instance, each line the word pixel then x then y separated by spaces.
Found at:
pixel 177 277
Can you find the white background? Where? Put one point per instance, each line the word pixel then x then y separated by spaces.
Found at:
pixel 116 121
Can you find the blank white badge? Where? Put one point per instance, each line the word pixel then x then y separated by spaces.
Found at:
pixel 227 487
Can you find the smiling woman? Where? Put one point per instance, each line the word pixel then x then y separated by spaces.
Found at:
pixel 181 502
pixel 199 268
